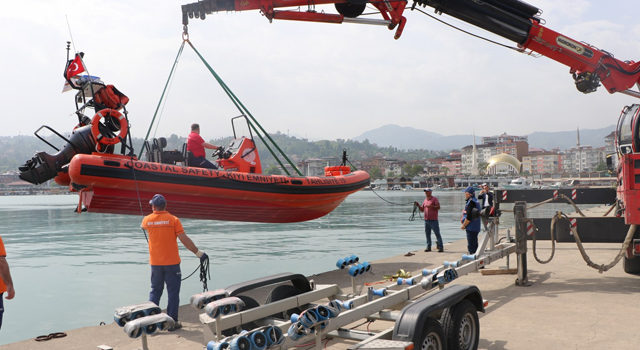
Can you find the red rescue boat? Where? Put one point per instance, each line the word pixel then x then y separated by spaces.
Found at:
pixel 122 184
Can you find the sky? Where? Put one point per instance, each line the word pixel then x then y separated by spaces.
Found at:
pixel 310 80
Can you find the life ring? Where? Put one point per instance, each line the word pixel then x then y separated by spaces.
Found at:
pixel 95 122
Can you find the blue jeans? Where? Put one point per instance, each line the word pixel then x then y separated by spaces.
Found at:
pixel 472 241
pixel 435 226
pixel 169 274
pixel 202 162
pixel 1 308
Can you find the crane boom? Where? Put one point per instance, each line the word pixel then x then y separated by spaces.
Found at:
pixel 511 19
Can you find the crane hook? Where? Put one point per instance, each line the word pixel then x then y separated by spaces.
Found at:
pixel 185 33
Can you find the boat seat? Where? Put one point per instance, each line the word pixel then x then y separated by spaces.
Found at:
pixel 186 155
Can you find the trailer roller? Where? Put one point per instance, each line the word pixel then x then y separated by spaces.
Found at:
pixel 258 340
pixel 241 342
pixel 334 308
pixel 407 281
pixel 273 335
pixel 448 264
pixel 200 300
pixel 296 331
pixel 224 307
pixel 347 305
pixel 213 345
pixel 127 313
pixel 148 325
pixel 382 292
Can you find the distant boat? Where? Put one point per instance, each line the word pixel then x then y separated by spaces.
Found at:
pixel 518 184
pixel 408 188
pixel 559 185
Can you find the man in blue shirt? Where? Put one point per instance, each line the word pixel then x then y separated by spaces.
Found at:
pixel 472 226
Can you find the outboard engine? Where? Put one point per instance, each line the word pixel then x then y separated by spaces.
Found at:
pixel 43 166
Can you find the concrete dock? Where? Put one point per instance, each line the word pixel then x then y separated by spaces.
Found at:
pixel 568 306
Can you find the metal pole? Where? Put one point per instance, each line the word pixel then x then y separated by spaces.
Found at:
pixel 520 215
pixel 144 342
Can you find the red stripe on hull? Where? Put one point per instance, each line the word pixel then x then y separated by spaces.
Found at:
pixel 184 206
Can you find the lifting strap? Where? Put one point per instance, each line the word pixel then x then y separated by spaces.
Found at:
pixel 243 110
pixel 175 63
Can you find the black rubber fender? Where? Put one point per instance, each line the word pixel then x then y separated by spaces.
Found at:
pixel 297 280
pixel 413 317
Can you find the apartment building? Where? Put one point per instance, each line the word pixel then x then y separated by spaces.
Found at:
pixel 542 163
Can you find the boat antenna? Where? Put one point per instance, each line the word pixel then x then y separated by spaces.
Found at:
pixel 71 36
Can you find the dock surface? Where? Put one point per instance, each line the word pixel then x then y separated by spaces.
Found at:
pixel 568 305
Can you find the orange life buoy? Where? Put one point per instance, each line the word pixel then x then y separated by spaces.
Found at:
pixel 95 122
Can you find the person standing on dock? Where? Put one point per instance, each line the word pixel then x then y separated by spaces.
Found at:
pixel 196 145
pixel 430 207
pixel 472 226
pixel 486 200
pixel 6 283
pixel 164 230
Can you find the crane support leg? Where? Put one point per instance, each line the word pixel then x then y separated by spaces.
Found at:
pixel 520 213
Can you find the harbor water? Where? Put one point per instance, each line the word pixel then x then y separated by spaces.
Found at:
pixel 72 270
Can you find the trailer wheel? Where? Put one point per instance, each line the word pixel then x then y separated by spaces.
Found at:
pixel 249 303
pixel 461 326
pixel 631 265
pixel 432 337
pixel 283 292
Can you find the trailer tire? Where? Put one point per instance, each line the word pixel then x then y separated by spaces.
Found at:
pixel 631 265
pixel 249 303
pixel 432 337
pixel 283 292
pixel 461 326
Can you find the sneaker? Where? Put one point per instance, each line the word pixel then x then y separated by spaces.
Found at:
pixel 428 249
pixel 440 250
pixel 175 327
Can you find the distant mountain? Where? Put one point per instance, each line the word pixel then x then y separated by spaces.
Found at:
pixel 569 139
pixel 406 137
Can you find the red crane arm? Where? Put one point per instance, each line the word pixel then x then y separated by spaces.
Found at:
pixel 588 64
pixel 391 11
pixel 511 19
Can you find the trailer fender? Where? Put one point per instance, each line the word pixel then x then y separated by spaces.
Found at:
pixel 296 279
pixel 413 318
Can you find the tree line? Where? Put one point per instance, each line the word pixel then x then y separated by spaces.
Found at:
pixel 16 150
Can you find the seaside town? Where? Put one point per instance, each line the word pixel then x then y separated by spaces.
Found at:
pixel 498 160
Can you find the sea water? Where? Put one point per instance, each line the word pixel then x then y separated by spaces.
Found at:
pixel 72 270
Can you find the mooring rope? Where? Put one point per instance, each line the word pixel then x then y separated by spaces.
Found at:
pixel 600 267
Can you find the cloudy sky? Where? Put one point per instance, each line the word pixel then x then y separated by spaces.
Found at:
pixel 314 80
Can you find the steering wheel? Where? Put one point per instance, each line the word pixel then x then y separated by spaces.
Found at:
pixel 219 152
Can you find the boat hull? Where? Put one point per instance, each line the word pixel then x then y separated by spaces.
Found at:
pixel 120 185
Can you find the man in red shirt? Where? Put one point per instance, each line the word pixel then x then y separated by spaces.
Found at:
pixel 6 283
pixel 430 207
pixel 163 229
pixel 196 145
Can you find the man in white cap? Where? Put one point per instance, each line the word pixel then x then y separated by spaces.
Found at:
pixel 486 202
pixel 163 229
pixel 430 207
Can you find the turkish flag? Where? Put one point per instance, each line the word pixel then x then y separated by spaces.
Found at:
pixel 75 67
